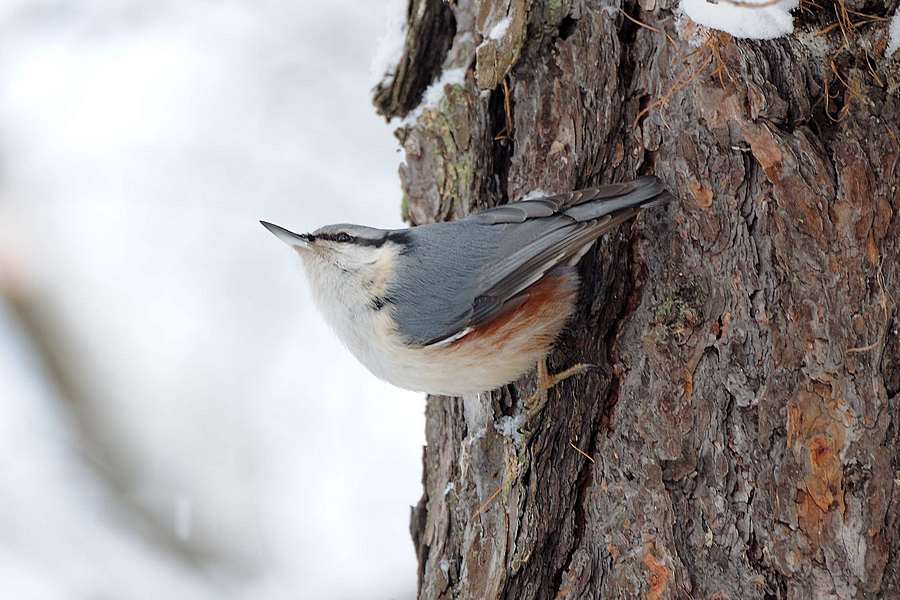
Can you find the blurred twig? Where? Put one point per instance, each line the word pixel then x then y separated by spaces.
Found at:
pixel 53 351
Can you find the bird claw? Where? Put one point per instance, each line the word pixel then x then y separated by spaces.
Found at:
pixel 545 382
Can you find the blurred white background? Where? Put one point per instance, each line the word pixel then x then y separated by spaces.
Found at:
pixel 175 420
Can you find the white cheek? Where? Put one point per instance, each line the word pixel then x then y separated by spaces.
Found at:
pixel 342 298
pixel 358 261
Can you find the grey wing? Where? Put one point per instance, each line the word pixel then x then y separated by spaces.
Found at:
pixel 530 238
pixel 593 202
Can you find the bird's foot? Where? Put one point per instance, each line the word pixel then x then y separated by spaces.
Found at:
pixel 535 403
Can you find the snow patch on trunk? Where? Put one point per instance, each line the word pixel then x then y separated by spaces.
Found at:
pixel 499 30
pixel 894 39
pixel 433 95
pixel 754 19
pixel 389 50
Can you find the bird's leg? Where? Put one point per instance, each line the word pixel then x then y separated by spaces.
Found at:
pixel 535 403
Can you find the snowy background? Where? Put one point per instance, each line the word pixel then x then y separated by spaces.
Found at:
pixel 175 420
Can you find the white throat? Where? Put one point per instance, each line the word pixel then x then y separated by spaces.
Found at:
pixel 352 303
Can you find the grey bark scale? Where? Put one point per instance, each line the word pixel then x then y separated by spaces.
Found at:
pixel 742 424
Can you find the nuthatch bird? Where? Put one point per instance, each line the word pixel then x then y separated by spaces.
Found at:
pixel 467 306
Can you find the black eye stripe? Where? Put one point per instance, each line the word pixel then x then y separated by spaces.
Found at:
pixel 341 237
pixel 400 238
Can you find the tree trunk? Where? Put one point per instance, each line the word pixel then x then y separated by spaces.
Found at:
pixel 740 434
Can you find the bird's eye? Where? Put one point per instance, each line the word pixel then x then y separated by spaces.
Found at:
pixel 343 238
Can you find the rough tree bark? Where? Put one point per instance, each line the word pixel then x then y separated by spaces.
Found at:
pixel 740 436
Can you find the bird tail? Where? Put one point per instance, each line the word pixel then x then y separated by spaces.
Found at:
pixel 619 199
pixel 604 208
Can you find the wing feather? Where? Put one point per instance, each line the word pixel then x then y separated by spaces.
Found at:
pixel 537 235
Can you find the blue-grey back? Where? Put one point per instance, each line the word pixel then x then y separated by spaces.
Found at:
pixel 462 274
pixel 453 275
pixel 434 285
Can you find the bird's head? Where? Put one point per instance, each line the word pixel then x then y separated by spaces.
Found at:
pixel 351 249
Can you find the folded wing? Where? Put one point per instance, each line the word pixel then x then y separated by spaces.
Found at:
pixel 512 247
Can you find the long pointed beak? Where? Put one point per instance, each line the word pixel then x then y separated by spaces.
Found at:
pixel 295 240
